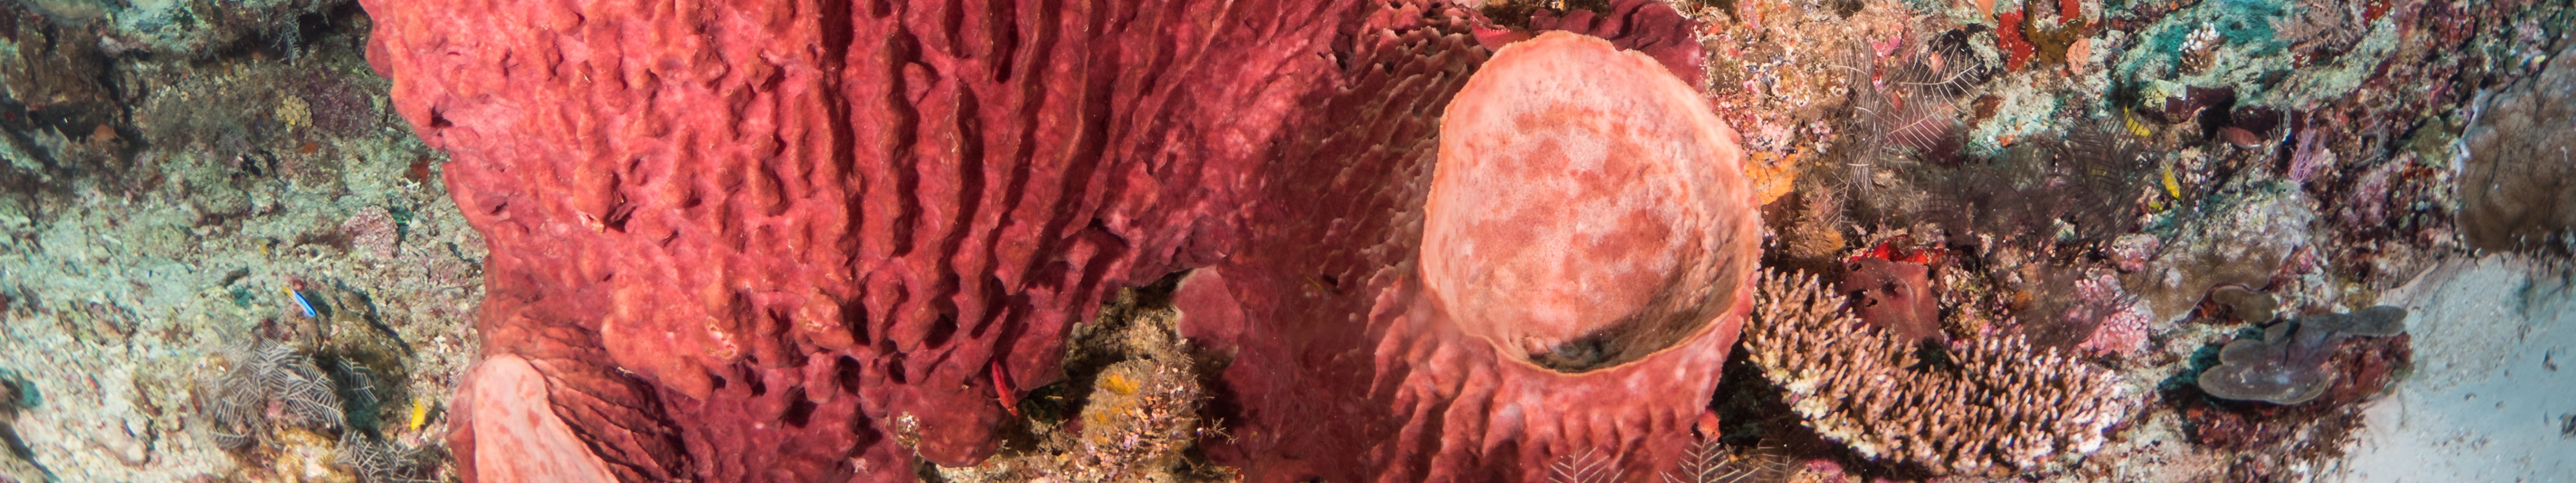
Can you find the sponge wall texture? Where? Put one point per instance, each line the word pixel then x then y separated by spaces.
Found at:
pixel 794 240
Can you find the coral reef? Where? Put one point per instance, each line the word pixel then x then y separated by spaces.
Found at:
pixel 1998 406
pixel 199 30
pixel 153 194
pixel 951 185
pixel 2287 365
pixel 56 126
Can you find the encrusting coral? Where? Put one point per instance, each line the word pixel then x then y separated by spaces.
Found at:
pixel 2233 302
pixel 1998 405
pixel 2287 365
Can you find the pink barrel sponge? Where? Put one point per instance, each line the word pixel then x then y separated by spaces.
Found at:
pixel 826 240
pixel 812 240
pixel 1588 207
pixel 1560 286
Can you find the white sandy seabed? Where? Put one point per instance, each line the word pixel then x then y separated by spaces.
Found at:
pixel 2494 387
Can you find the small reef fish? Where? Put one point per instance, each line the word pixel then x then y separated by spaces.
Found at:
pixel 419 412
pixel 300 303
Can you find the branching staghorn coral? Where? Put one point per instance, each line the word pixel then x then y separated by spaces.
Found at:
pixel 2005 407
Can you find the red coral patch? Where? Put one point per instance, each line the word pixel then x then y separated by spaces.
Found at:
pixel 2008 38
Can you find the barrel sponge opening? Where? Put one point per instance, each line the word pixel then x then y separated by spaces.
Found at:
pixel 1588 208
pixel 515 434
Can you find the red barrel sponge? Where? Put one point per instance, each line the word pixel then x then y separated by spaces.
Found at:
pixel 1588 207
pixel 1560 285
